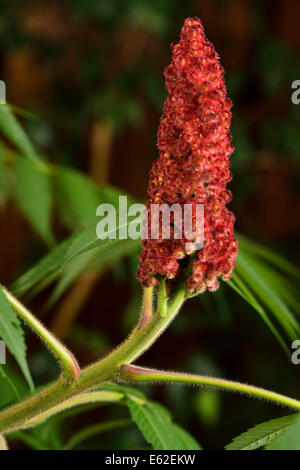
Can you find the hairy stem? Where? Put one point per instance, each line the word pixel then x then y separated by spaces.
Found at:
pixel 147 310
pixel 141 374
pixel 102 396
pixel 106 369
pixel 162 298
pixel 69 365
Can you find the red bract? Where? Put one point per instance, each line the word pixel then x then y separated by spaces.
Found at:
pixel 194 145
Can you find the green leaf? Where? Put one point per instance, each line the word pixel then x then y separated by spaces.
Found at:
pixel 100 257
pixel 44 271
pixel 188 440
pixel 4 177
pixel 289 439
pixel 257 277
pixel 80 206
pixel 87 240
pixel 33 194
pixel 13 336
pixel 267 254
pixel 13 385
pixel 70 273
pixel 77 196
pixel 8 390
pixel 240 287
pixel 45 436
pixel 262 278
pixel 153 420
pixel 283 287
pixel 48 269
pixel 261 434
pixel 11 128
pixel 156 425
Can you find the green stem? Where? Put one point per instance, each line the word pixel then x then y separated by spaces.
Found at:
pixel 91 431
pixel 102 396
pixel 147 310
pixel 69 365
pixel 141 374
pixel 162 298
pixel 106 369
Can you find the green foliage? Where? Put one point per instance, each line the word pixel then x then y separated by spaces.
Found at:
pixel 277 434
pixel 33 194
pixel 255 278
pixel 4 178
pixel 152 419
pixel 99 256
pixel 45 437
pixel 289 439
pixel 12 335
pixel 43 272
pixel 76 197
pixel 88 240
pixel 266 254
pixel 9 392
pixel 262 278
pixel 240 287
pixel 155 423
pixel 11 128
pixel 262 434
pixel 77 254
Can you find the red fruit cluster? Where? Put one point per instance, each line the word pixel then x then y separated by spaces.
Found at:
pixel 194 145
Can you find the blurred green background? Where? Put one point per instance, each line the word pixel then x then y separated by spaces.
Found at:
pixel 91 76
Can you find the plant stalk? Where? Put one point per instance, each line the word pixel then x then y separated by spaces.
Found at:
pixel 141 374
pixel 147 310
pixel 106 369
pixel 69 365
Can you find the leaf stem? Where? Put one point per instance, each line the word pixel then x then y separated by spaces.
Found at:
pixel 79 400
pixel 141 374
pixel 106 369
pixel 69 365
pixel 147 310
pixel 162 298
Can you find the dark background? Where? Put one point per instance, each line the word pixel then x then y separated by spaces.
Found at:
pixel 91 71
